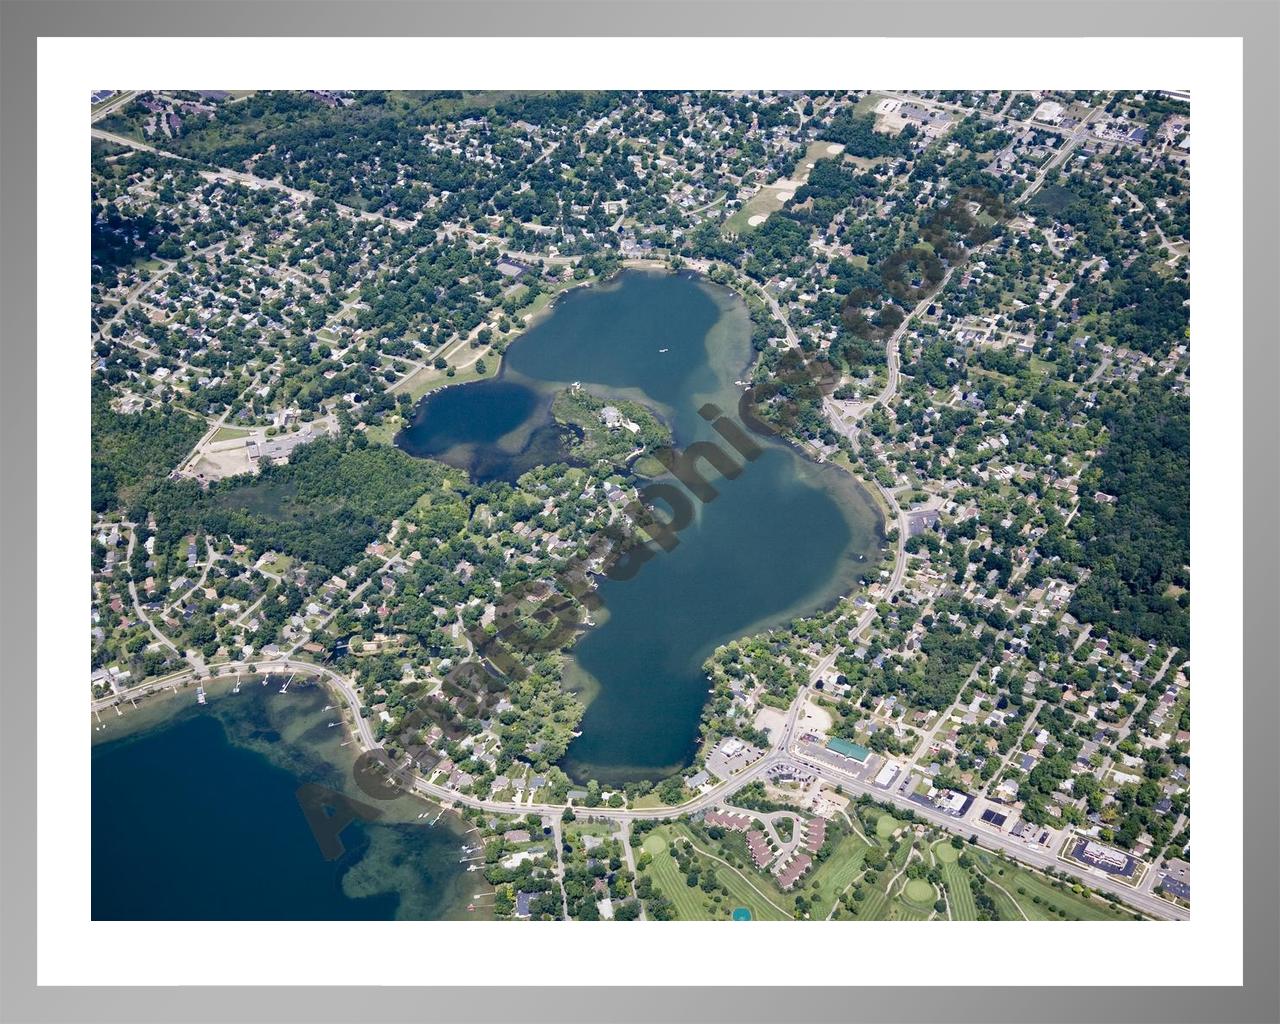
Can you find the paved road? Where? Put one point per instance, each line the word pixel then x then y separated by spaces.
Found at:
pixel 241 177
pixel 1145 902
pixel 1059 158
pixel 112 105
pixel 137 604
pixel 1025 853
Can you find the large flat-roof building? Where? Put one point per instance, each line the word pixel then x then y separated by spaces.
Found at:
pixel 847 748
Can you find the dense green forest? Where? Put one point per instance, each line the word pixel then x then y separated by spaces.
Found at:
pixel 861 139
pixel 132 450
pixel 1139 546
pixel 332 499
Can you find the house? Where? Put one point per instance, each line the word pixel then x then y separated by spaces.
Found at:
pixel 733 822
pixel 524 902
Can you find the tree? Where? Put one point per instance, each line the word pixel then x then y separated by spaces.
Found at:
pixel 671 791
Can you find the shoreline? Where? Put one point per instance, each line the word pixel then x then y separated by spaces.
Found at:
pixel 832 594
pixel 161 707
pixel 855 499
pixel 277 744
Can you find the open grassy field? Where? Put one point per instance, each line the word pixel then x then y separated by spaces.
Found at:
pixel 867 104
pixel 820 150
pixel 428 379
pixel 385 432
pixel 602 829
pixel 762 204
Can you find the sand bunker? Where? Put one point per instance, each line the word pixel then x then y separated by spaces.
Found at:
pixel 835 148
pixel 756 220
pixel 784 196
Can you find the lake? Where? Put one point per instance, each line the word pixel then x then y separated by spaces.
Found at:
pixel 785 538
pixel 196 817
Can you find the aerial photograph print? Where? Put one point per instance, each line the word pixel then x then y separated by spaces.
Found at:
pixel 640 505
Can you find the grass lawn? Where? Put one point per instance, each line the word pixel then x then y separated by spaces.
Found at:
pixel 739 884
pixel 899 859
pixel 1077 906
pixel 815 152
pixel 230 433
pixel 917 890
pixel 946 853
pixel 689 903
pixel 900 910
pixel 603 829
pixel 867 104
pixel 540 302
pixel 666 876
pixel 762 204
pixel 385 432
pixel 886 825
pixel 1006 907
pixel 278 564
pixel 428 379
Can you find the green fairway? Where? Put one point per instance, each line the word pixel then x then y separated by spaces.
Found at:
pixel 900 910
pixel 835 873
pixel 692 904
pixel 1077 907
pixel 874 906
pixel 959 895
pixel 899 859
pixel 688 903
pixel 1006 907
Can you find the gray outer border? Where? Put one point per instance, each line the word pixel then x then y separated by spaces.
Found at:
pixel 1258 22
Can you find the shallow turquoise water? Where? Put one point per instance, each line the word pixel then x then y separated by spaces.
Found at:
pixel 198 818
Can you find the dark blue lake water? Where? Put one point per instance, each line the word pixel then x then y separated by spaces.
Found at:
pixel 196 817
pixel 783 539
